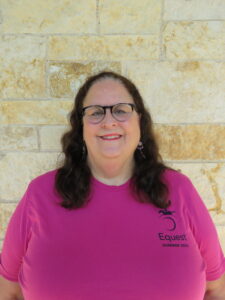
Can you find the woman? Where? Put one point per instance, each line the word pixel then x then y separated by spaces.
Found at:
pixel 113 222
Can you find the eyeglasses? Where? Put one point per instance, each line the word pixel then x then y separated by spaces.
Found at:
pixel 120 112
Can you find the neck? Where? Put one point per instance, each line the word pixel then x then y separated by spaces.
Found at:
pixel 111 172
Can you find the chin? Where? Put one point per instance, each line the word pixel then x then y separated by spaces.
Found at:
pixel 110 152
pixel 111 155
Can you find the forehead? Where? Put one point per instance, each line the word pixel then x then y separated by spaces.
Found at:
pixel 107 92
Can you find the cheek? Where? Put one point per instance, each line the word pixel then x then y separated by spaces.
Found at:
pixel 89 132
pixel 134 129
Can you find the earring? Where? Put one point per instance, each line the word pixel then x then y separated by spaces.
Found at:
pixel 140 147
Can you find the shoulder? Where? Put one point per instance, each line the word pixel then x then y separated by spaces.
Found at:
pixel 174 178
pixel 41 190
pixel 182 190
pixel 43 181
pixel 180 187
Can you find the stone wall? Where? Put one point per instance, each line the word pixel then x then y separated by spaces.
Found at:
pixel 174 50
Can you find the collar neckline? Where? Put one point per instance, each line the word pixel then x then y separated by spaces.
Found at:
pixel 108 187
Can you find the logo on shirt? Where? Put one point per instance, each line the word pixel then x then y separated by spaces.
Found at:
pixel 169 238
pixel 169 221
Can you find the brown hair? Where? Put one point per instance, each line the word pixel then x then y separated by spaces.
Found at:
pixel 72 180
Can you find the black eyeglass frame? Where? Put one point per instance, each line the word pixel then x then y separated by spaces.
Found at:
pixel 132 105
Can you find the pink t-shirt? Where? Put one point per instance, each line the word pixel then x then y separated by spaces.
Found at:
pixel 114 248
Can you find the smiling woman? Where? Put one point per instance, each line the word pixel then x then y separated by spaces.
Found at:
pixel 111 142
pixel 113 222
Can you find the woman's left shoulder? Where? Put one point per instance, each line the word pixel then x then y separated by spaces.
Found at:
pixel 175 177
pixel 181 190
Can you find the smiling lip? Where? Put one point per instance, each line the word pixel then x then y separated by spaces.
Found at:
pixel 110 137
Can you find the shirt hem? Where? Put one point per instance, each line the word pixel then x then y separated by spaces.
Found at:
pixel 9 278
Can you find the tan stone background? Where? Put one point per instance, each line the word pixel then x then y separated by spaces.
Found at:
pixel 174 50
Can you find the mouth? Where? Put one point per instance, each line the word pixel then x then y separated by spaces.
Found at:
pixel 111 137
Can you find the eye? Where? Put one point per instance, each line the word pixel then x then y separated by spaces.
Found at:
pixel 94 112
pixel 97 113
pixel 119 111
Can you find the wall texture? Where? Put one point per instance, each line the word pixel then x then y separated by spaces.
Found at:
pixel 174 50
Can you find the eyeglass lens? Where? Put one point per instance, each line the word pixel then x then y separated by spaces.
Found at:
pixel 120 112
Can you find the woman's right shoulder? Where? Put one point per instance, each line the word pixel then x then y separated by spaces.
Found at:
pixel 41 189
pixel 43 180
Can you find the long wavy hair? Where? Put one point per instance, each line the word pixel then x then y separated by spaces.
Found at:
pixel 72 181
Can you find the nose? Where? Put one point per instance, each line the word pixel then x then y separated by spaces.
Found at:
pixel 108 119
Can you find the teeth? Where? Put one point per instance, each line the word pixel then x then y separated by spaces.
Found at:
pixel 110 137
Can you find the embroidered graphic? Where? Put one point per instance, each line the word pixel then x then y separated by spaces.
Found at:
pixel 167 216
pixel 170 240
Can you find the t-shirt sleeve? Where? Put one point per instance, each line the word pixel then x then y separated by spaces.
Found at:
pixel 16 240
pixel 205 233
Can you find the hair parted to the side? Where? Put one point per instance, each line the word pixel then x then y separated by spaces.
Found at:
pixel 72 180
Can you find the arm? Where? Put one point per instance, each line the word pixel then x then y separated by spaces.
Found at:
pixel 215 290
pixel 13 250
pixel 10 290
pixel 209 246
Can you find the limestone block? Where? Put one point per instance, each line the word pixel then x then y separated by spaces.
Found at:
pixel 181 92
pixel 194 40
pixel 115 47
pixel 190 142
pixel 221 233
pixel 49 16
pixel 194 9
pixel 18 169
pixel 34 112
pixel 209 180
pixel 65 78
pixel 6 211
pixel 18 138
pixel 50 137
pixel 130 16
pixel 22 66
